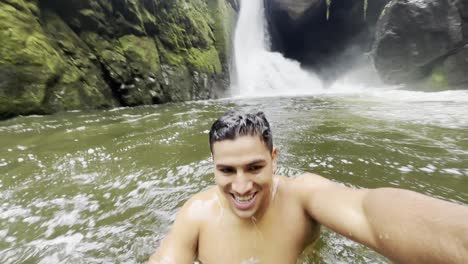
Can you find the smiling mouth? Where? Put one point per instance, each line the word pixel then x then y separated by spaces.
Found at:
pixel 244 202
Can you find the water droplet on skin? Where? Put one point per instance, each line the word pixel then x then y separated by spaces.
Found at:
pixel 251 260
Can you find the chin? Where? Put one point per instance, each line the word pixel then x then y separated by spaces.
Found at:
pixel 244 215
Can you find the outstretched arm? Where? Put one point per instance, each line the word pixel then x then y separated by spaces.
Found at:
pixel 180 245
pixel 404 226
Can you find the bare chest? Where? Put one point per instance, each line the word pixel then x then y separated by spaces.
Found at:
pixel 280 240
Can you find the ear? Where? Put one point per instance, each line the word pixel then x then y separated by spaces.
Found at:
pixel 274 155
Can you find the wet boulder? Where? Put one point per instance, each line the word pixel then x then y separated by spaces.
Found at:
pixel 422 41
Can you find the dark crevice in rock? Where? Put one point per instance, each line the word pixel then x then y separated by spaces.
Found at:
pixel 113 85
pixel 51 84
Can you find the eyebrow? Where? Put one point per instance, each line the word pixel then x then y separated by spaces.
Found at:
pixel 246 165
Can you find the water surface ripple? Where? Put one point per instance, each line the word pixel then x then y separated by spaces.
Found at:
pixel 104 186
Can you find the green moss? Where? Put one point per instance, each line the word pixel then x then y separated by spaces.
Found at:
pixel 28 61
pixel 168 56
pixel 437 80
pixel 206 61
pixel 95 41
pixel 110 54
pixel 21 5
pixel 132 17
pixel 141 45
pixel 223 27
pixel 78 84
pixel 198 25
pixel 198 37
pixel 141 53
pixel 173 37
pixel 87 12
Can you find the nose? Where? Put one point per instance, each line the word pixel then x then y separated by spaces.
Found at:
pixel 242 185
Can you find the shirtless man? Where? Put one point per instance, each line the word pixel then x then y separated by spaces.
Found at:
pixel 254 216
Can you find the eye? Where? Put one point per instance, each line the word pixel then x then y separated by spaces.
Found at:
pixel 227 170
pixel 255 168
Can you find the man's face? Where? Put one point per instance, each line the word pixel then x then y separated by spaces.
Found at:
pixel 244 170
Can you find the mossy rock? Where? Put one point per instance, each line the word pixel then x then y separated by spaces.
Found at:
pixel 60 55
pixel 225 18
pixel 141 53
pixel 79 84
pixel 206 61
pixel 28 62
pixel 110 54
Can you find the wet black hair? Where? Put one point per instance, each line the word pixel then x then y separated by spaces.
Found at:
pixel 234 124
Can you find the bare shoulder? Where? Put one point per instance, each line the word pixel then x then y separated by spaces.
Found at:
pixel 180 244
pixel 304 186
pixel 311 181
pixel 201 206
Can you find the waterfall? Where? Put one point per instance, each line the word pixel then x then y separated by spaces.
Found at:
pixel 260 72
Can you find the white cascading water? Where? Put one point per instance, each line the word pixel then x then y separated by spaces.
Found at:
pixel 261 72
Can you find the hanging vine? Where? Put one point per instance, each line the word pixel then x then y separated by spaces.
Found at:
pixel 328 8
pixel 365 9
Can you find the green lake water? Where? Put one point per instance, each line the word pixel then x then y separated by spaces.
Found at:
pixel 104 186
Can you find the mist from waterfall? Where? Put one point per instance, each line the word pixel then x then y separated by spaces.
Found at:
pixel 259 71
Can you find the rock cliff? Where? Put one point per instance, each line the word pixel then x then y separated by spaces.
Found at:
pixel 87 54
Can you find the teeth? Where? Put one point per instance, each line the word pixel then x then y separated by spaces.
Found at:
pixel 245 198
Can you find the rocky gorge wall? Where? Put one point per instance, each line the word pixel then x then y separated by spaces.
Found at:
pixel 60 55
